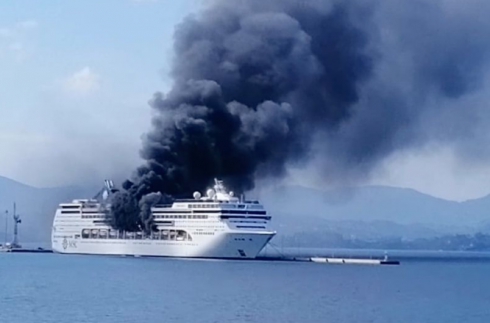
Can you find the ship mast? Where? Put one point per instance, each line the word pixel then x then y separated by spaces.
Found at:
pixel 17 220
pixel 6 225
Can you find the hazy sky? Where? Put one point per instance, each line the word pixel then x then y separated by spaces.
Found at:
pixel 75 80
pixel 76 77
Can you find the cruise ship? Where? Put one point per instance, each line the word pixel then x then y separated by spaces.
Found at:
pixel 216 225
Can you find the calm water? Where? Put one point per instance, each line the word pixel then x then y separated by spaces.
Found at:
pixel 61 288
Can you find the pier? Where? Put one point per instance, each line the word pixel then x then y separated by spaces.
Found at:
pixel 331 260
pixel 25 250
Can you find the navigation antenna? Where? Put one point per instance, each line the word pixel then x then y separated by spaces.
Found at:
pixel 218 186
pixel 106 191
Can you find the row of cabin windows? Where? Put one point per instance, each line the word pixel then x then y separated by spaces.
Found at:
pixel 70 206
pixel 260 222
pixel 211 206
pixel 175 235
pixel 70 212
pixel 84 214
pixel 205 233
pixel 249 227
pixel 193 206
pixel 180 216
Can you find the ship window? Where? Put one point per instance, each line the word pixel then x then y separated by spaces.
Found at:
pixel 181 235
pixel 155 235
pixel 139 235
pixel 172 235
pixel 112 234
pixel 85 233
pixel 70 206
pixel 103 234
pixel 94 233
pixel 70 212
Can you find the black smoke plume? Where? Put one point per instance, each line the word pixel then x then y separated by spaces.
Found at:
pixel 260 85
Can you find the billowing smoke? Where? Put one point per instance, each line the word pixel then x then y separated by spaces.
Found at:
pixel 124 211
pixel 259 85
pixel 146 203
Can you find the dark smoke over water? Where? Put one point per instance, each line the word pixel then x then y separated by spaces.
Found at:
pixel 260 85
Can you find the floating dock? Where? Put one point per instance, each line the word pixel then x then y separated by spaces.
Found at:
pixel 332 260
pixel 24 250
pixel 354 261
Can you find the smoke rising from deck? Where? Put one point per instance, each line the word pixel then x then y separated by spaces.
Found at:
pixel 260 85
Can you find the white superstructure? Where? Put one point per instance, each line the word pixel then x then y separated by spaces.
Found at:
pixel 218 225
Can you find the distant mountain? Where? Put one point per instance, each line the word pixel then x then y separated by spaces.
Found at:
pixel 374 211
pixel 36 207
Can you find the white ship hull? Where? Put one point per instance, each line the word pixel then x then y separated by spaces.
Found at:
pixel 217 226
pixel 243 245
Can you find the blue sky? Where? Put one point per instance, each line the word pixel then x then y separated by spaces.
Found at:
pixel 75 80
pixel 76 77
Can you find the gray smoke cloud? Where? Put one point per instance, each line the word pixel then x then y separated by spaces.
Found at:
pixel 124 212
pixel 259 85
pixel 145 204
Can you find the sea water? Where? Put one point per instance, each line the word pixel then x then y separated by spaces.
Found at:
pixel 71 288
